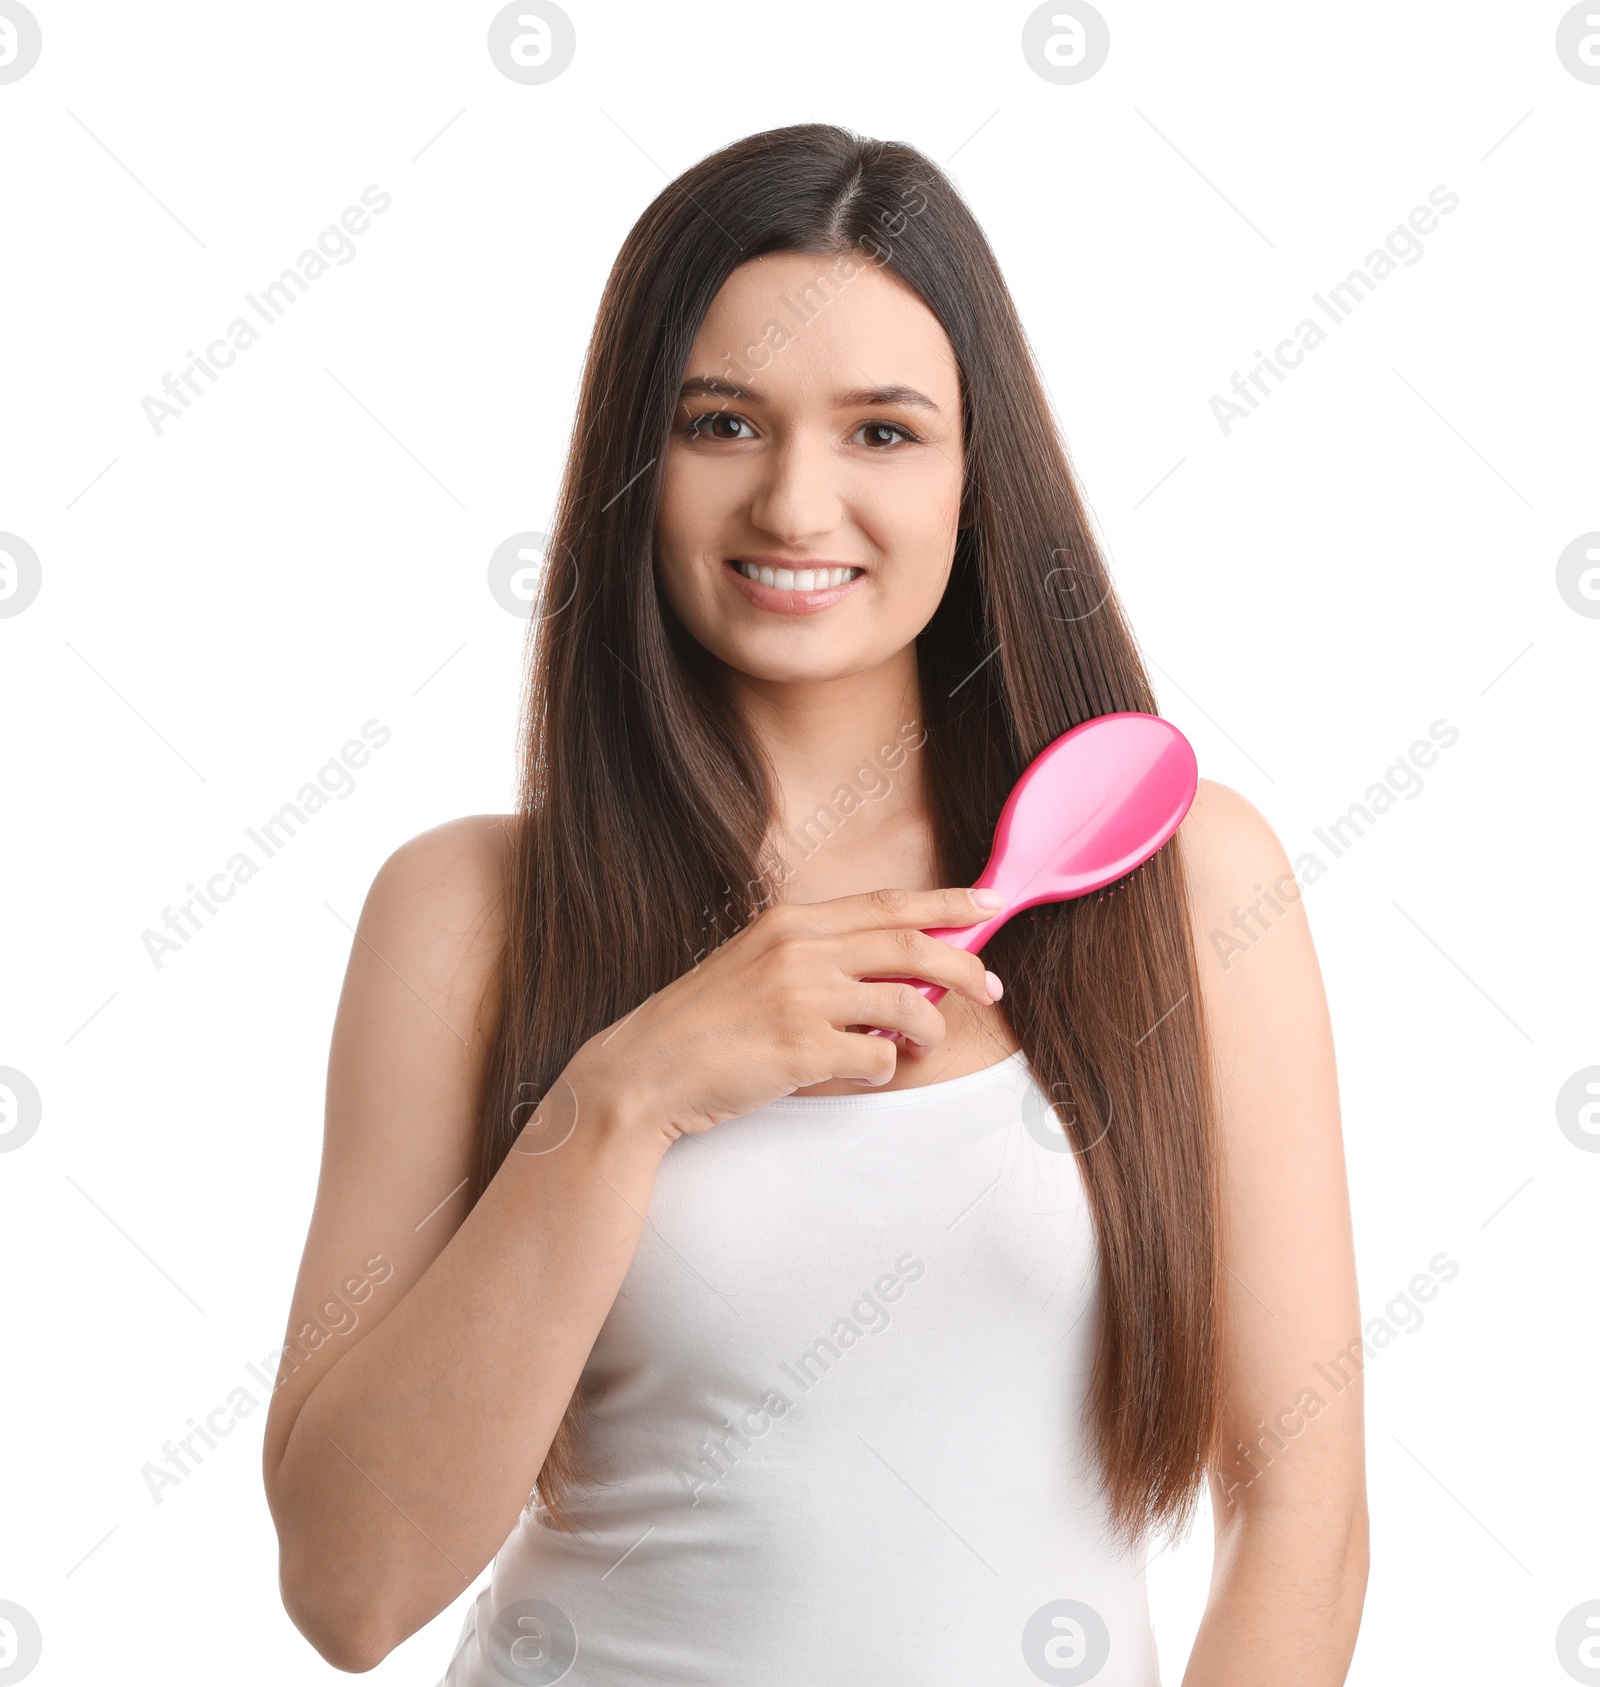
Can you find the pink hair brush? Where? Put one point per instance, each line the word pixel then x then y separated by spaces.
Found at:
pixel 1089 808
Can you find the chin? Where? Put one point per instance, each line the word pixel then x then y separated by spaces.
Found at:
pixel 758 660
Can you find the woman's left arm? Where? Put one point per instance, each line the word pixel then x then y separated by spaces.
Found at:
pixel 1289 1488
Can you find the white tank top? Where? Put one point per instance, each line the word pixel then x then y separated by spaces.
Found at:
pixel 835 1413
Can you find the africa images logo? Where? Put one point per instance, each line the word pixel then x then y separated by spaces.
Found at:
pixel 20 42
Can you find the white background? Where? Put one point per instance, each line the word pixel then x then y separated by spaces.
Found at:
pixel 224 604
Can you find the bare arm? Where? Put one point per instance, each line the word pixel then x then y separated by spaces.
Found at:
pixel 1289 1495
pixel 401 1447
pixel 415 1412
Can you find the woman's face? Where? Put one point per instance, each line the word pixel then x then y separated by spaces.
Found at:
pixel 830 444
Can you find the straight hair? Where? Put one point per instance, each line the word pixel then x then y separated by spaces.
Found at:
pixel 644 805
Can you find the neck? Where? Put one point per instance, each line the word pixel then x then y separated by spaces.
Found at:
pixel 843 750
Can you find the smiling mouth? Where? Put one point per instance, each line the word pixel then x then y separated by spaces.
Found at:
pixel 796 580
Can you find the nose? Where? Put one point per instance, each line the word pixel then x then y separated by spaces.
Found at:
pixel 799 496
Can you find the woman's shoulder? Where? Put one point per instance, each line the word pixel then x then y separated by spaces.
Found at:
pixel 1219 807
pixel 1240 887
pixel 463 857
pixel 442 895
pixel 1228 845
pixel 1257 961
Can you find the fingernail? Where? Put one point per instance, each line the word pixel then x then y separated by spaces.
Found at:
pixel 996 988
pixel 987 898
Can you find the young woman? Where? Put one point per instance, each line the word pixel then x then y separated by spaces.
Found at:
pixel 751 1347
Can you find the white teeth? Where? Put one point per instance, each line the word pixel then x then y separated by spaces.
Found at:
pixel 803 580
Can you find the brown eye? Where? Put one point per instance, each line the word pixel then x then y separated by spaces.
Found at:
pixel 877 430
pixel 705 426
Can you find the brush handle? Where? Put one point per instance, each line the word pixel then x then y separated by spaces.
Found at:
pixel 970 939
pixel 1092 807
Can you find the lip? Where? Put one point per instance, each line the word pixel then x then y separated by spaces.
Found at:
pixel 791 603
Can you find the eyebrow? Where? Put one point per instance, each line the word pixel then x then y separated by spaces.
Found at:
pixel 711 386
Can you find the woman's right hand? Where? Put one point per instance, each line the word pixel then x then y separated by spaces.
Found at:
pixel 764 1014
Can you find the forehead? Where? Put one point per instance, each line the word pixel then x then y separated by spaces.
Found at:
pixel 803 325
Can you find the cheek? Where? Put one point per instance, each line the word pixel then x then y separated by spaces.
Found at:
pixel 679 533
pixel 698 500
pixel 674 516
pixel 915 523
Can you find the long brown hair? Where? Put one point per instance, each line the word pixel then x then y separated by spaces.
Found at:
pixel 644 806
